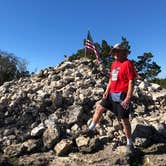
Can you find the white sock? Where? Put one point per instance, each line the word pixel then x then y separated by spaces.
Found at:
pixel 129 141
pixel 92 126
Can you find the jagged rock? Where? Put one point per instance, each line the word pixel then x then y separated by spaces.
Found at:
pixel 121 157
pixel 14 150
pixel 37 159
pixel 28 117
pixel 159 95
pixel 75 127
pixel 143 85
pixel 32 145
pixel 9 131
pixel 140 129
pixel 38 131
pixel 86 144
pixel 160 128
pixel 56 99
pixel 122 150
pixel 142 142
pixel 74 114
pixel 63 147
pixel 51 136
pixel 49 122
pixel 116 124
pixel 159 148
pixel 65 65
pixel 155 86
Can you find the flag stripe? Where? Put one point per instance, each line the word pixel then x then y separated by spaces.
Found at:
pixel 90 46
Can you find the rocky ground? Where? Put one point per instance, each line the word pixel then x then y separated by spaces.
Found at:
pixel 42 118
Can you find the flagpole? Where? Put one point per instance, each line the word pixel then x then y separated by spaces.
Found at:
pixel 85 47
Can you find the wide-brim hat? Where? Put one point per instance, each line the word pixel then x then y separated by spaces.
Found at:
pixel 119 47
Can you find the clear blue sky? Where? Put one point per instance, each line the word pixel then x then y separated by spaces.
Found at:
pixel 43 31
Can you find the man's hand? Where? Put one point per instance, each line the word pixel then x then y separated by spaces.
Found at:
pixel 125 103
pixel 105 95
pixel 107 90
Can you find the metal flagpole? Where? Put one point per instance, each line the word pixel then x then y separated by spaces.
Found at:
pixel 85 46
pixel 85 51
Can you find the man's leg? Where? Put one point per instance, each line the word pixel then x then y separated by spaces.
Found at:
pixel 96 117
pixel 127 130
pixel 121 125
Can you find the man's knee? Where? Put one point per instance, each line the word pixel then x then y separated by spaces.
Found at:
pixel 100 108
pixel 125 122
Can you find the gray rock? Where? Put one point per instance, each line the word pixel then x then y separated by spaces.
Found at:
pixel 75 127
pixel 140 129
pixel 116 124
pixel 86 144
pixel 14 150
pixel 74 114
pixel 56 99
pixel 65 65
pixel 32 145
pixel 160 128
pixel 142 142
pixel 9 131
pixel 51 136
pixel 38 131
pixel 63 147
pixel 68 79
pixel 155 86
pixel 143 85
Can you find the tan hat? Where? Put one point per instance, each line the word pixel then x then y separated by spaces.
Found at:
pixel 119 46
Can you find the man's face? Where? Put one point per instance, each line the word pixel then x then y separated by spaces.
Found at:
pixel 118 54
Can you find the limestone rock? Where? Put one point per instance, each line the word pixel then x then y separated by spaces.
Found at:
pixel 86 144
pixel 32 145
pixel 38 131
pixel 14 150
pixel 74 114
pixel 51 137
pixel 141 129
pixel 160 128
pixel 63 147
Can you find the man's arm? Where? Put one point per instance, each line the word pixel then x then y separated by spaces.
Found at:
pixel 107 89
pixel 127 100
pixel 130 89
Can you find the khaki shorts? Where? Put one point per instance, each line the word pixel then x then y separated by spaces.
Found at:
pixel 116 107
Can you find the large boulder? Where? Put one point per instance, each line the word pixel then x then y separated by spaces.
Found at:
pixel 51 136
pixel 86 144
pixel 63 147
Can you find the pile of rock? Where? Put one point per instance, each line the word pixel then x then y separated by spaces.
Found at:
pixel 48 111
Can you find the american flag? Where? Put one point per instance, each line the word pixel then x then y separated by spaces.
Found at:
pixel 89 45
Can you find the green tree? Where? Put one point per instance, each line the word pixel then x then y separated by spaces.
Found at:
pixel 147 68
pixel 160 81
pixel 11 67
pixel 103 50
pixel 125 43
pixel 104 54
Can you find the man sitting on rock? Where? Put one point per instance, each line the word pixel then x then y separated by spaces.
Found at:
pixel 118 94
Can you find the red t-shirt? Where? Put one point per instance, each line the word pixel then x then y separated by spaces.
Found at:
pixel 120 74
